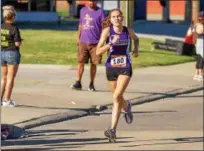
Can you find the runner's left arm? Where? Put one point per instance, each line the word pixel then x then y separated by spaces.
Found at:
pixel 136 41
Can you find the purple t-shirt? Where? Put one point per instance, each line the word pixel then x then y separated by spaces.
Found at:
pixel 90 21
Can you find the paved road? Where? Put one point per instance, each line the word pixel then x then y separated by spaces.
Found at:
pixel 44 90
pixel 168 124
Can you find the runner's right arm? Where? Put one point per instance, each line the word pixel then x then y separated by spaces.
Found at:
pixel 101 48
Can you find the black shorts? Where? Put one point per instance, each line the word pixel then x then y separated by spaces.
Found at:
pixel 200 62
pixel 113 73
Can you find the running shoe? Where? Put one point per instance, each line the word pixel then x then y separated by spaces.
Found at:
pixel 128 114
pixel 111 135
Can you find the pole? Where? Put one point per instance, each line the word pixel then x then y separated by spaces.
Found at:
pixel 126 13
pixel 195 9
pixel 166 17
pixel 188 12
pixel 130 13
pixel 127 7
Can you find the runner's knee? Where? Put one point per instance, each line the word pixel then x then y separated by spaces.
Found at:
pixel 117 97
pixel 3 78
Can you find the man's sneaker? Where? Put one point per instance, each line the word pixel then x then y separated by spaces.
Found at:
pixel 111 135
pixel 128 114
pixel 9 103
pixel 91 87
pixel 76 86
pixel 200 78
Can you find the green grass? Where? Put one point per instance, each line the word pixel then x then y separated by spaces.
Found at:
pixel 63 13
pixel 59 47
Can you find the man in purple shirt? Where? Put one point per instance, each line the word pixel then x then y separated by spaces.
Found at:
pixel 89 32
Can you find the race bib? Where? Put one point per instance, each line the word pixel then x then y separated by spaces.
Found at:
pixel 118 61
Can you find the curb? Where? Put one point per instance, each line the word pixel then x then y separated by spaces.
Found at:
pixel 55 118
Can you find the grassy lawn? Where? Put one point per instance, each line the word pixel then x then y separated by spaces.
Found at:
pixel 63 13
pixel 59 47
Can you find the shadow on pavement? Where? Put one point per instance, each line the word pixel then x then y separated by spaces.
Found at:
pixel 36 133
pixel 139 92
pixel 177 141
pixel 144 112
pixel 47 138
pixel 191 96
pixel 39 149
pixel 26 149
pixel 53 108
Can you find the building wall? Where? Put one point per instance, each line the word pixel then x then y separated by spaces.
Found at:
pixel 155 10
pixel 177 7
pixel 62 5
pixel 177 10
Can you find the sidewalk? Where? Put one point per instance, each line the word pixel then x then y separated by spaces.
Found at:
pixel 43 95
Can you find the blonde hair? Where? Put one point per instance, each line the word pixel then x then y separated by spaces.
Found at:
pixel 9 12
pixel 106 22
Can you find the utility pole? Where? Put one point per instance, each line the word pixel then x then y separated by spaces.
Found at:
pixel 188 12
pixel 72 8
pixel 123 9
pixel 166 17
pixel 195 9
pixel 127 7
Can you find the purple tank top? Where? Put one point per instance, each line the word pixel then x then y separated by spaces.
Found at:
pixel 118 55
